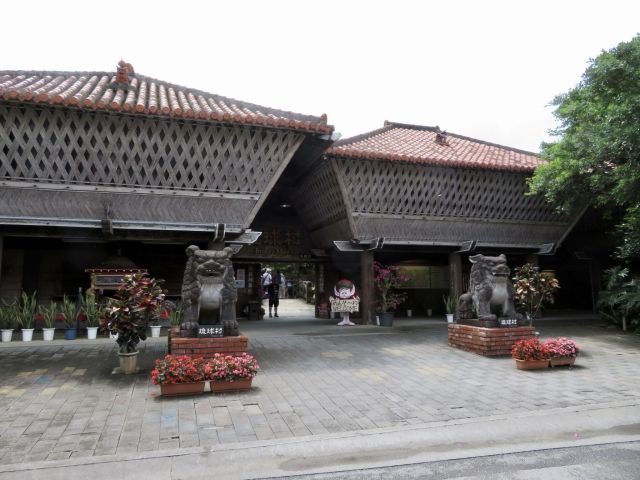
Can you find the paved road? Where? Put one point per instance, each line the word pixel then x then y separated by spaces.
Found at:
pixel 61 402
pixel 618 461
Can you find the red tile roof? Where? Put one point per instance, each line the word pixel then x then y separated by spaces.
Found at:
pixel 428 145
pixel 137 94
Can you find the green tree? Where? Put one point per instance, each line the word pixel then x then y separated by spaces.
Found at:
pixel 596 160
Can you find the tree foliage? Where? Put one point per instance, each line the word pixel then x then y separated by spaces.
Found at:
pixel 596 160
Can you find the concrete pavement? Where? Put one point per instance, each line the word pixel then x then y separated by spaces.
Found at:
pixel 319 383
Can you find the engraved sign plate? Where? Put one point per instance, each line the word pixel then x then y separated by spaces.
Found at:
pixel 210 331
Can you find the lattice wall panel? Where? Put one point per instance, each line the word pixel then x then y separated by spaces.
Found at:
pixel 407 189
pixel 318 200
pixel 56 145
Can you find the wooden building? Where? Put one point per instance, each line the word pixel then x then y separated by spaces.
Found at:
pixel 94 163
pixel 422 198
pixel 104 169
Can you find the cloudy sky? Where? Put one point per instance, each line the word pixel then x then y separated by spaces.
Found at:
pixel 485 69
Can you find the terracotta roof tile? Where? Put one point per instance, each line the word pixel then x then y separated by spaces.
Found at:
pixel 428 145
pixel 142 95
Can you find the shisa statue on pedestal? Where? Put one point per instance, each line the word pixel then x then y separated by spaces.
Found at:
pixel 345 301
pixel 209 292
pixel 489 286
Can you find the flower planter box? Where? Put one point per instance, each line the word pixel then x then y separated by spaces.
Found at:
pixel 532 364
pixel 222 386
pixel 178 389
pixel 560 361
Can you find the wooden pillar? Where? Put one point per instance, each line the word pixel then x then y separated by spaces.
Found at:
pixel 1 243
pixel 595 277
pixel 367 289
pixel 456 288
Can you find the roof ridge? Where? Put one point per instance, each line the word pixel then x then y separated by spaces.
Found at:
pixel 463 137
pixel 419 144
pixel 346 141
pixel 186 102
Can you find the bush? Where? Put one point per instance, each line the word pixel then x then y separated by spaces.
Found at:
pixel 619 302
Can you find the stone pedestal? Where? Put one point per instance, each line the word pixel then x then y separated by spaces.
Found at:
pixel 206 347
pixel 487 341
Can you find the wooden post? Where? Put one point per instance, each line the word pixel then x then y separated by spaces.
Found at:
pixel 455 276
pixel 367 291
pixel 595 279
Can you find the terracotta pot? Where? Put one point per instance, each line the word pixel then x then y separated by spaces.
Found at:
pixel 532 364
pixel 177 389
pixel 128 363
pixel 558 361
pixel 221 386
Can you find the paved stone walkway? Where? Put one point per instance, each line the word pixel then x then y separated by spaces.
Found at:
pixel 61 401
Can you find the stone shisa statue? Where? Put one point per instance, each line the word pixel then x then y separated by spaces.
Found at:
pixel 209 292
pixel 489 286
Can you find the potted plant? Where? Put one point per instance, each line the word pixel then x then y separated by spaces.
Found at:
pixel 533 288
pixel 386 280
pixel 155 323
pixel 68 311
pixel 450 307
pixel 530 354
pixel 228 372
pixel 562 351
pixel 180 375
pixel 8 320
pixel 92 312
pixel 26 315
pixel 136 301
pixel 49 315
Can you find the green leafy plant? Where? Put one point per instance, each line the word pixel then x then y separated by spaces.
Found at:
pixel 49 314
pixel 595 159
pixel 68 311
pixel 533 289
pixel 619 302
pixel 91 309
pixel 9 313
pixel 387 279
pixel 449 304
pixel 138 300
pixel 27 310
pixel 175 316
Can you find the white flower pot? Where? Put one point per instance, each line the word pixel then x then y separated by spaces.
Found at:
pixel 92 333
pixel 409 313
pixel 6 334
pixel 27 334
pixel 155 331
pixel 47 334
pixel 449 317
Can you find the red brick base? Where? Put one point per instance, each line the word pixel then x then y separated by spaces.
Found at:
pixel 207 347
pixel 487 341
